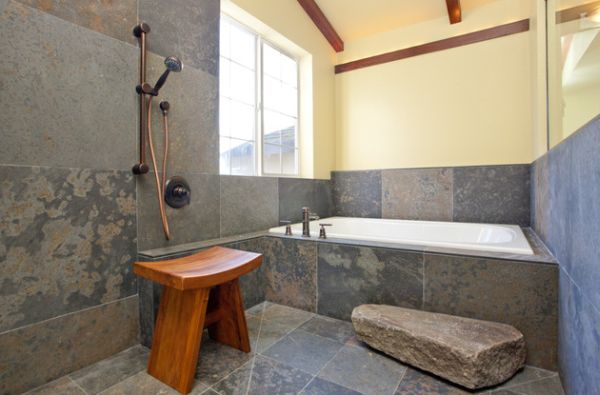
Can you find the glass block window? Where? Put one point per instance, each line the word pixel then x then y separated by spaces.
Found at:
pixel 258 114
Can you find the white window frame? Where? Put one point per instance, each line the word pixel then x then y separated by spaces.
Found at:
pixel 259 109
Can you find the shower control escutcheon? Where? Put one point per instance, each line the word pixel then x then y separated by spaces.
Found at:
pixel 177 192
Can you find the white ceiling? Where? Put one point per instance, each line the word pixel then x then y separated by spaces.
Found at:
pixel 354 19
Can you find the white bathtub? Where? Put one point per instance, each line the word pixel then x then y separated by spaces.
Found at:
pixel 481 237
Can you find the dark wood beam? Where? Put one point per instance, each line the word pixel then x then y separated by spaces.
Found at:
pixel 322 23
pixel 447 43
pixel 454 11
pixel 571 14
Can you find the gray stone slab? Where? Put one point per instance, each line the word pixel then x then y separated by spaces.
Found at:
pixel 144 384
pixel 68 239
pixel 472 353
pixel 304 351
pixel 2 5
pixel 197 221
pixel 252 284
pixel 32 355
pixel 63 386
pixel 295 193
pixel 113 18
pixel 340 331
pixel 193 118
pixel 350 276
pixel 58 111
pixel 264 376
pixel 191 33
pixel 492 194
pixel 290 272
pixel 516 293
pixel 548 386
pixel 364 371
pixel 248 204
pixel 540 197
pixel 417 194
pixel 217 361
pixel 357 193
pixel 286 315
pixel 108 372
pixel 415 382
pixel 319 386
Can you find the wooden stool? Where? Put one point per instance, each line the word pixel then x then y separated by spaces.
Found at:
pixel 199 290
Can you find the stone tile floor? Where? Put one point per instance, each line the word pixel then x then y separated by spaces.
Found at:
pixel 294 352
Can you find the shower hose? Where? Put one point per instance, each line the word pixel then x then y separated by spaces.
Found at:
pixel 160 181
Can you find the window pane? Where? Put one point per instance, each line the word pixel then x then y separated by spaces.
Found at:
pixel 271 61
pixel 242 121
pixel 224 157
pixel 242 157
pixel 277 125
pixel 224 78
pixel 289 71
pixel 242 84
pixel 224 38
pixel 272 159
pixel 289 100
pixel 289 160
pixel 243 48
pixel 224 117
pixel 271 93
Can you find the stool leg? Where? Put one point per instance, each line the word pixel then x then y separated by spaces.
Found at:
pixel 231 329
pixel 177 336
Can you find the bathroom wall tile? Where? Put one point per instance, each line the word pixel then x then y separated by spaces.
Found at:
pixel 193 119
pixel 197 221
pixel 417 194
pixel 252 284
pixel 67 241
pixel 113 18
pixel 2 5
pixel 147 310
pixel 517 293
pixel 323 198
pixel 57 112
pixel 350 276
pixel 187 30
pixel 295 193
pixel 39 353
pixel 540 196
pixel 579 342
pixel 492 194
pixel 290 272
pixel 248 204
pixel 357 193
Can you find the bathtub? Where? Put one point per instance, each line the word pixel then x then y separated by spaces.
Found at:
pixel 480 237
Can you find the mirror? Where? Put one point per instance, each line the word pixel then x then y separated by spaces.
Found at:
pixel 573 66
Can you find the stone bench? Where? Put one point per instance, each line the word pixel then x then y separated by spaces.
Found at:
pixel 469 352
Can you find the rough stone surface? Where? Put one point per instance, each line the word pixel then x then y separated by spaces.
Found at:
pixel 472 353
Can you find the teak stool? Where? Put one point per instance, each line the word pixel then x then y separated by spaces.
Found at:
pixel 199 290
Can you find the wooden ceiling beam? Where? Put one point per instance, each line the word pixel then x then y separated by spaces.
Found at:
pixel 454 11
pixel 320 20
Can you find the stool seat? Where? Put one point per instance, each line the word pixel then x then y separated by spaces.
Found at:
pixel 203 269
pixel 200 291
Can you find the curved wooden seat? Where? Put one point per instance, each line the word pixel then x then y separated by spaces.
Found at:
pixel 200 291
pixel 203 269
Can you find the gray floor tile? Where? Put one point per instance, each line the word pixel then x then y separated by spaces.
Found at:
pixel 417 383
pixel 264 376
pixel 63 386
pixel 144 384
pixel 363 370
pixel 323 387
pixel 286 315
pixel 304 351
pixel 217 361
pixel 253 324
pixel 271 332
pixel 330 328
pixel 256 310
pixel 547 386
pixel 525 375
pixel 108 372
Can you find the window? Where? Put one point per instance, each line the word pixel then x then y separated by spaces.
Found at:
pixel 258 118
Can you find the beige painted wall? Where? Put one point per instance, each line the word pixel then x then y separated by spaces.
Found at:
pixel 470 105
pixel 317 129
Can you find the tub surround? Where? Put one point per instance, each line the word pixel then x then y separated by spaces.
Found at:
pixel 482 194
pixel 331 277
pixel 565 213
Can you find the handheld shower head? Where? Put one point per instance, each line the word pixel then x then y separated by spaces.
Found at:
pixel 172 63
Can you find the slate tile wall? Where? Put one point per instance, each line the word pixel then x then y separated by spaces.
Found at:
pixel 565 187
pixel 486 194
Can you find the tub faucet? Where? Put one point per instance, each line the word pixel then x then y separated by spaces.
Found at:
pixel 307 216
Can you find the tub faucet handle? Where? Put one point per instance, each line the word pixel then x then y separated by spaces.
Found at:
pixel 288 227
pixel 322 232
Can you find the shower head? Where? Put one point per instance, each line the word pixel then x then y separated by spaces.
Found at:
pixel 172 63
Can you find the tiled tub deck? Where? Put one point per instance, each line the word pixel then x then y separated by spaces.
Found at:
pixel 331 277
pixel 294 352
